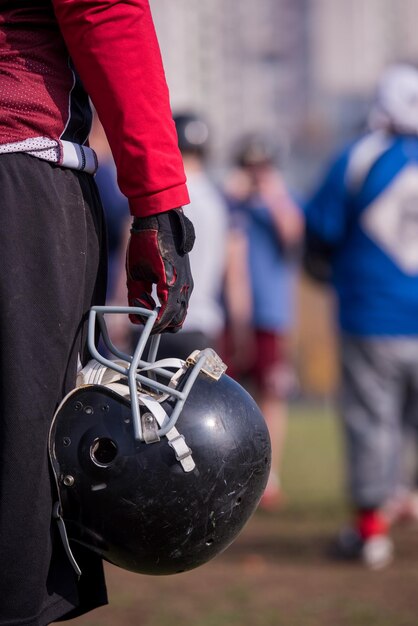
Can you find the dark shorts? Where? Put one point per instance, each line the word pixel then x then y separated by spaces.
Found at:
pixel 269 370
pixel 53 268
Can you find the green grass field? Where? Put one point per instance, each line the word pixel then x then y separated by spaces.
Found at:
pixel 278 573
pixel 313 461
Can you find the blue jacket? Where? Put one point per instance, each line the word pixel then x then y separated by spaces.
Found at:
pixel 363 222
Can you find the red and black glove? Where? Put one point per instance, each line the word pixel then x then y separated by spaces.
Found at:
pixel 158 254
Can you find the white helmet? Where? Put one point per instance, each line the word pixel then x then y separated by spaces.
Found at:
pixel 396 105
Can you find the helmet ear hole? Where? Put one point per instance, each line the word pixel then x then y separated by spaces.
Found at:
pixel 103 451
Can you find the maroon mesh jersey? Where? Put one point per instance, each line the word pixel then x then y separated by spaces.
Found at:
pixel 44 109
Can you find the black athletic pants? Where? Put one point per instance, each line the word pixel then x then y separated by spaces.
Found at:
pixel 52 269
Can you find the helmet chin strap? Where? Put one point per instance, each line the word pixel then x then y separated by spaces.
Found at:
pixel 175 439
pixel 57 515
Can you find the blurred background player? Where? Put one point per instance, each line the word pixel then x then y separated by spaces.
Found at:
pixel 205 318
pixel 362 235
pixel 266 232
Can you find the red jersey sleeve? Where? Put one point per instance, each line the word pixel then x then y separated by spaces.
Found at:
pixel 116 53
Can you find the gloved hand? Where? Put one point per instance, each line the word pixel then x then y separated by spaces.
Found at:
pixel 158 254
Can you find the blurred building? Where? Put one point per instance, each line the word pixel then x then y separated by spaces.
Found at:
pixel 242 63
pixel 303 69
pixel 350 43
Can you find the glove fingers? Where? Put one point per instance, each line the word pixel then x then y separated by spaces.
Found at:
pixel 177 321
pixel 173 313
pixel 169 321
pixel 143 300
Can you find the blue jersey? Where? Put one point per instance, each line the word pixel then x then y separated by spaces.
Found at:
pixel 272 276
pixel 365 214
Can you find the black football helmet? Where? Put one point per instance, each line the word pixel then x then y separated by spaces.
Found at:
pixel 192 133
pixel 159 464
pixel 256 149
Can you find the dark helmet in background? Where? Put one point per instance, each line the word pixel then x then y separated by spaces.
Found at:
pixel 192 133
pixel 157 477
pixel 255 149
